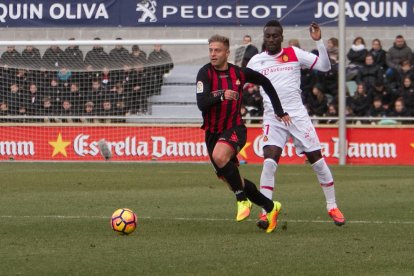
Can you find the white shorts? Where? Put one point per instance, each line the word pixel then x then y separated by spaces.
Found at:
pixel 301 130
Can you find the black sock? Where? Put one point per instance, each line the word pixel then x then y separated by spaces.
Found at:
pixel 232 175
pixel 256 196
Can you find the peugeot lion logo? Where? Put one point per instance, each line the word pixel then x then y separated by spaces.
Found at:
pixel 148 9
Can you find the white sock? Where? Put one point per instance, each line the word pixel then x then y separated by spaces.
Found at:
pixel 326 180
pixel 267 178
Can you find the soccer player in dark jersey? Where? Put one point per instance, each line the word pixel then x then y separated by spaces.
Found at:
pixel 219 92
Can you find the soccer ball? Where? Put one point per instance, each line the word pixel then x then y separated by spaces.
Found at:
pixel 124 221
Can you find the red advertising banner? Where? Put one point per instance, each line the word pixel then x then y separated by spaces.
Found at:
pixel 370 146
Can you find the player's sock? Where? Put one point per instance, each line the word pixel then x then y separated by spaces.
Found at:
pixel 257 197
pixel 267 178
pixel 232 175
pixel 326 180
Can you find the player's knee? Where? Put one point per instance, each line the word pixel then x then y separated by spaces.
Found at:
pixel 220 159
pixel 272 152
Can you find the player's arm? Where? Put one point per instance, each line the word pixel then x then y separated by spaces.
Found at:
pixel 322 62
pixel 257 78
pixel 205 97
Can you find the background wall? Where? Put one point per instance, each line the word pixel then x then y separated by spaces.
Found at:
pixel 198 54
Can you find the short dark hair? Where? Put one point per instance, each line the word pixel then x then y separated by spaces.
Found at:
pixel 273 23
pixel 220 38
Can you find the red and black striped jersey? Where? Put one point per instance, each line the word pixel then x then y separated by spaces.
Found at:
pixel 219 114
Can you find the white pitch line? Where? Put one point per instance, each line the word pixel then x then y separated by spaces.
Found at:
pixel 206 219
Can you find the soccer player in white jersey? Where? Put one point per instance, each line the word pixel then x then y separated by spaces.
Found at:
pixel 282 67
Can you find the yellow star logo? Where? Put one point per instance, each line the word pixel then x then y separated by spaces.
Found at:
pixel 243 150
pixel 59 146
pixel 412 145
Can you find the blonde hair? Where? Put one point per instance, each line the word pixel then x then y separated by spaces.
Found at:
pixel 220 38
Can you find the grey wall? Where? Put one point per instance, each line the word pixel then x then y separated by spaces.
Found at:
pixel 198 54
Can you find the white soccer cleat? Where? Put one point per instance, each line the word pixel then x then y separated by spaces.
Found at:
pixel 104 149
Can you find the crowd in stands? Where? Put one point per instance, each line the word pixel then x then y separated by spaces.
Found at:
pixel 381 83
pixel 65 82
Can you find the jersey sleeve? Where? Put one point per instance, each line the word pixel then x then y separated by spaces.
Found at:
pixel 205 99
pixel 312 61
pixel 257 78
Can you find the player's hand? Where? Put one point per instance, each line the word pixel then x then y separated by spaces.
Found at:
pixel 285 119
pixel 231 95
pixel 315 31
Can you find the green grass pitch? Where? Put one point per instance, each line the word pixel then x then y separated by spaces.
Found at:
pixel 54 220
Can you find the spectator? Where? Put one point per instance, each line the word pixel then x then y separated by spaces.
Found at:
pixel 121 108
pixel 21 77
pixel 34 99
pixel 106 110
pixel 66 111
pixel 356 56
pixel 64 75
pixel 252 100
pixel 370 73
pixel 54 91
pixel 407 93
pixel 332 49
pixel 160 63
pixel 73 57
pixel 119 55
pixel 399 110
pixel 96 93
pixel 161 60
pixel 361 102
pixel 332 112
pixel 406 70
pixel 126 77
pixel 119 93
pixel 245 52
pixel 138 56
pixel 376 109
pixel 97 57
pixel 317 102
pixel 384 92
pixel 47 110
pixel 88 113
pixel 378 54
pixel 395 55
pixel 138 102
pixel 31 58
pixel 13 98
pixel 4 111
pixel 52 57
pixel 75 97
pixel 11 57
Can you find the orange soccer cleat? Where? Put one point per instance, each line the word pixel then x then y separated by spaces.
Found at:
pixel 337 216
pixel 272 216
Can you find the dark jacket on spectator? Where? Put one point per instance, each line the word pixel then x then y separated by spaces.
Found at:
pixel 380 57
pixel 97 57
pixel 369 75
pixel 73 58
pixel 395 55
pixel 357 57
pixel 360 104
pixel 31 59
pixel 52 58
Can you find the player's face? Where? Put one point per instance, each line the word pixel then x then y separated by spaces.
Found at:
pixel 272 38
pixel 218 54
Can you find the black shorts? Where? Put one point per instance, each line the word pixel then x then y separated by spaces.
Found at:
pixel 235 137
